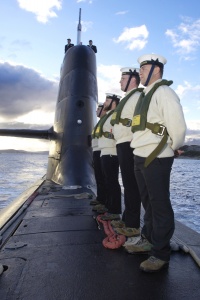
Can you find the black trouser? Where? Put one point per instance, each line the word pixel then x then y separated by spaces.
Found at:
pixel 110 166
pixel 132 200
pixel 98 172
pixel 153 183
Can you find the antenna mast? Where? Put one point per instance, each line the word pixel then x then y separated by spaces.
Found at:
pixel 79 29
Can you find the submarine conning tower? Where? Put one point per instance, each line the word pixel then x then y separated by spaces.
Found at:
pixel 70 155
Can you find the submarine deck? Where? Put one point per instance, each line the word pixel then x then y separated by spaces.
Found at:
pixel 54 251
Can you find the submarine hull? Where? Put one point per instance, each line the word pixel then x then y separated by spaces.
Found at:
pixel 70 156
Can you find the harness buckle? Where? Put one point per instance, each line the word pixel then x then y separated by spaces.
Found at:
pixel 161 130
pixel 110 135
pixel 129 122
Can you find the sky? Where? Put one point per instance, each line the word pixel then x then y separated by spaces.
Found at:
pixel 32 38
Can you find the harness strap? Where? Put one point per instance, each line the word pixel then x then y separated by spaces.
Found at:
pixel 150 73
pixel 108 135
pixel 118 110
pixel 125 122
pixel 99 127
pixel 129 80
pixel 160 130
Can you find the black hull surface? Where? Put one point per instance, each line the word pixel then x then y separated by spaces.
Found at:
pixel 70 157
pixel 54 251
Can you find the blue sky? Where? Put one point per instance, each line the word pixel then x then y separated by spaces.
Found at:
pixel 32 38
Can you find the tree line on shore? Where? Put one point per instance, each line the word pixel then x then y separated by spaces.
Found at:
pixel 189 151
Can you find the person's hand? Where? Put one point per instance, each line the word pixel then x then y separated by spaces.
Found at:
pixel 177 153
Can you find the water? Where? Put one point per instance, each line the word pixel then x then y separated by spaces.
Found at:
pixel 185 192
pixel 18 171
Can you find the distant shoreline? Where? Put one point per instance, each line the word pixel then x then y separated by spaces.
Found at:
pixel 188 157
pixel 11 151
pixel 190 151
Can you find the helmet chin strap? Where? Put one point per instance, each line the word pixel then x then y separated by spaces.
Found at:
pixel 129 80
pixel 114 97
pixel 100 112
pixel 110 105
pixel 150 74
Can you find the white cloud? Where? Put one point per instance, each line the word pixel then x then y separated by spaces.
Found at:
pixel 134 38
pixel 190 99
pixel 194 125
pixel 86 25
pixel 122 12
pixel 24 90
pixel 24 144
pixel 182 90
pixel 88 1
pixel 185 38
pixel 189 95
pixel 193 132
pixel 108 77
pixel 43 9
pixel 37 117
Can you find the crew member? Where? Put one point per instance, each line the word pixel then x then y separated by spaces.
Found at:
pixel 68 45
pixel 159 129
pixel 93 47
pixel 109 159
pixel 121 120
pixel 99 202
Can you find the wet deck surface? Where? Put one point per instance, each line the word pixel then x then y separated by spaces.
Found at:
pixel 56 252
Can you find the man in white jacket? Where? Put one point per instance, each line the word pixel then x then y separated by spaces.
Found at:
pixel 159 129
pixel 99 202
pixel 122 120
pixel 109 159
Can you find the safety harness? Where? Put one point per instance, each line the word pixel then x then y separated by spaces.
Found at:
pixel 98 129
pixel 139 122
pixel 94 130
pixel 116 117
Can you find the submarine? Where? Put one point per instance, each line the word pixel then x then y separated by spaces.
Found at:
pixel 70 154
pixel 50 244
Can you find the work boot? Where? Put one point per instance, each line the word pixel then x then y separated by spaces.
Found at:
pixel 132 241
pixel 141 247
pixel 117 224
pixel 94 202
pixel 102 210
pixel 127 231
pixel 153 264
pixel 98 206
pixel 110 216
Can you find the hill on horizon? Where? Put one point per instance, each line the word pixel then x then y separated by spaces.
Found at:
pixel 189 151
pixel 22 151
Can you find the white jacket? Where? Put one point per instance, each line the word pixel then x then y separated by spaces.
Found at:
pixel 122 133
pixel 95 146
pixel 165 109
pixel 107 146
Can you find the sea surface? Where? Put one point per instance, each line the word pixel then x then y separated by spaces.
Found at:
pixel 18 171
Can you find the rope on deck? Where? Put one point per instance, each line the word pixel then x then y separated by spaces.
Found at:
pixel 113 240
